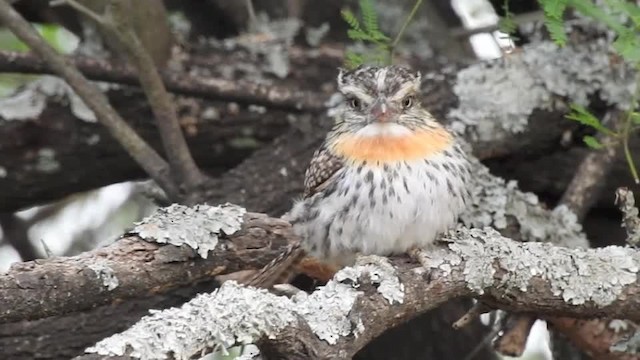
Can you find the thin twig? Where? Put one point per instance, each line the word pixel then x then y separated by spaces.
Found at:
pixel 406 23
pixel 116 21
pixel 627 130
pixel 630 220
pixel 97 101
pixel 79 8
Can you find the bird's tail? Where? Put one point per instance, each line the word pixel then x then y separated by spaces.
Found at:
pixel 280 270
pixel 290 263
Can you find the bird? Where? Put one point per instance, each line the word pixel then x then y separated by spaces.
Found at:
pixel 388 178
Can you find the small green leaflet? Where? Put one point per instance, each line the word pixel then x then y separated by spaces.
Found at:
pixel 367 31
pixel 583 116
pixel 592 142
pixel 628 45
pixel 553 13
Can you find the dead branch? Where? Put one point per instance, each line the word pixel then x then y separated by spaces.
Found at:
pixel 277 97
pixel 183 167
pixel 145 156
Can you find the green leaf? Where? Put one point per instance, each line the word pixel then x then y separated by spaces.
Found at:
pixel 353 60
pixel 553 13
pixel 635 117
pixel 507 25
pixel 358 35
pixel 554 8
pixel 351 19
pixel 583 116
pixel 628 46
pixel 369 16
pixel 588 8
pixel 627 8
pixel 556 30
pixel 592 142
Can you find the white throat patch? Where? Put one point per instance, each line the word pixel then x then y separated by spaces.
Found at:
pixel 388 129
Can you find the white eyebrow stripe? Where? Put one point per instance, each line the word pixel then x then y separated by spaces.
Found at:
pixel 381 78
pixel 403 92
pixel 357 92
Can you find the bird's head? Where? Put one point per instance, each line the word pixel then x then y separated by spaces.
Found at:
pixel 381 119
pixel 381 100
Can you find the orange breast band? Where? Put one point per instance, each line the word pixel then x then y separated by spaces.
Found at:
pixel 387 149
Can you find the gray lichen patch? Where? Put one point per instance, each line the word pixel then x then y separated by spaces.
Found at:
pixel 105 274
pixel 46 161
pixel 494 201
pixel 199 226
pixel 577 275
pixel 380 272
pixel 628 346
pixel 496 98
pixel 31 100
pixel 235 314
pixel 442 260
pixel 326 311
pixel 231 315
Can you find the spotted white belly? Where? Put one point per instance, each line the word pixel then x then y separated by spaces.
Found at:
pixel 383 210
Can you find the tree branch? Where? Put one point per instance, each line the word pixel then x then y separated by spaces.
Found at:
pixel 377 294
pixel 27 296
pixel 580 195
pixel 144 155
pixel 206 87
pixel 132 268
pixel 183 167
pixel 588 181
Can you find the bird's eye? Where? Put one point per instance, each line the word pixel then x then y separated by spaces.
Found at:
pixel 354 103
pixel 407 102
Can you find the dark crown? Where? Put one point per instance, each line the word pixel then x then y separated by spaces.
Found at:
pixel 366 78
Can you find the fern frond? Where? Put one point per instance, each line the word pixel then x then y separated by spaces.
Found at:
pixel 554 8
pixel 553 13
pixel 359 35
pixel 556 30
pixel 351 19
pixel 353 60
pixel 369 16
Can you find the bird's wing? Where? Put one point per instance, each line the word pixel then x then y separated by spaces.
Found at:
pixel 321 172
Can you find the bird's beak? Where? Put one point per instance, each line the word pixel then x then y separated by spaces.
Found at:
pixel 381 112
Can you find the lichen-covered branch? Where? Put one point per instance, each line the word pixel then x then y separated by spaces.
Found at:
pixel 581 193
pixel 132 267
pixel 494 202
pixel 362 301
